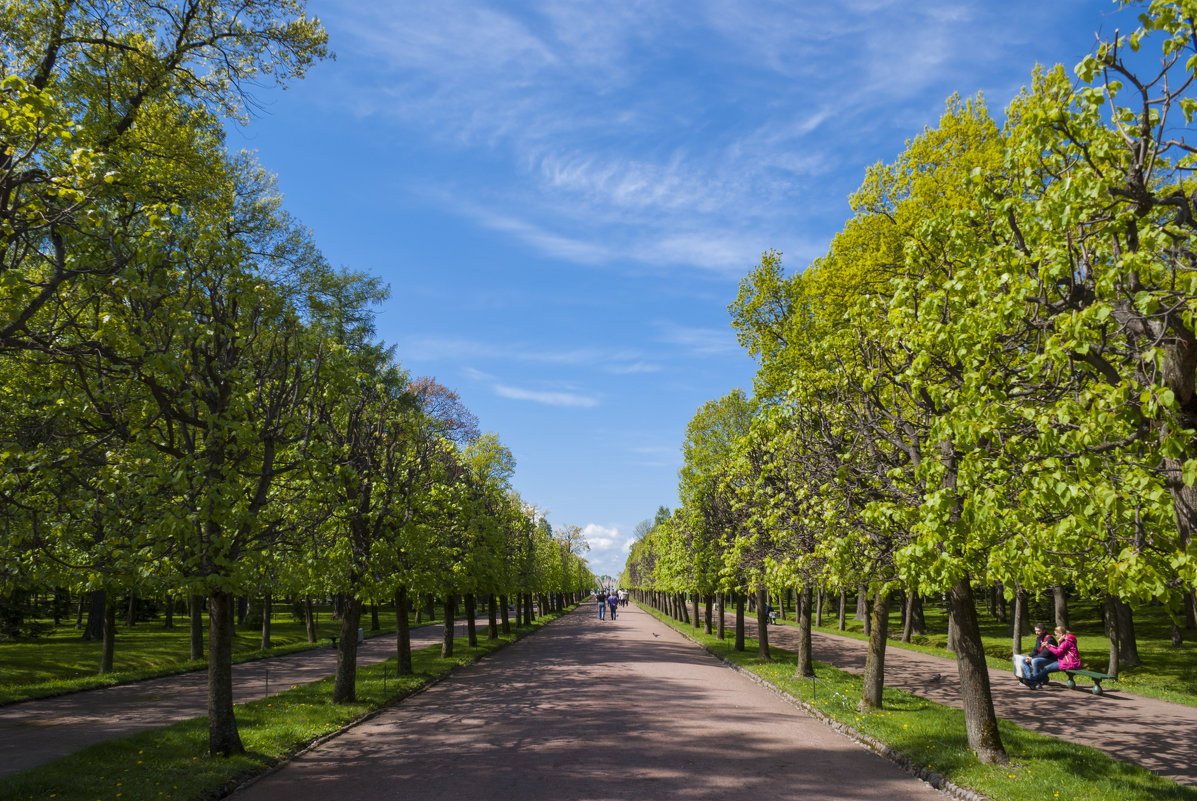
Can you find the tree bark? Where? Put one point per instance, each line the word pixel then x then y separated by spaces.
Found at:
pixel 862 603
pixel 1128 644
pixel 79 611
pixel 97 604
pixel 694 603
pixel 1061 604
pixel 471 625
pixel 131 612
pixel 1016 619
pixel 721 624
pixel 873 684
pixel 802 604
pixel 108 639
pixel 739 646
pixel 267 610
pixel 819 608
pixel 492 618
pixel 402 634
pixel 309 619
pixel 447 628
pixel 196 624
pixel 762 625
pixel 842 612
pixel 169 612
pixel 908 616
pixel 708 615
pixel 503 613
pixel 980 722
pixel 375 623
pixel 345 682
pixel 1111 622
pixel 223 737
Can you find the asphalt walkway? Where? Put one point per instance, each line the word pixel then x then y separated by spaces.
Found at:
pixel 586 710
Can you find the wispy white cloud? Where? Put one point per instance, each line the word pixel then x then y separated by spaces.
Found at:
pixel 548 398
pixel 699 341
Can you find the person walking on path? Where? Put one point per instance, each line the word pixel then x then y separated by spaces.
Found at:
pixel 613 602
pixel 525 725
pixel 601 597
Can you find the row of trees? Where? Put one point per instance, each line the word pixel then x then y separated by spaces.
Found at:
pixel 193 401
pixel 989 377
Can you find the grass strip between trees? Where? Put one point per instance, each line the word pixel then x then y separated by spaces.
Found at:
pixel 172 761
pixel 932 736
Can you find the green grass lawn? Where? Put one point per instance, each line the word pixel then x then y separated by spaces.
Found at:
pixel 62 662
pixel 1166 672
pixel 933 737
pixel 172 762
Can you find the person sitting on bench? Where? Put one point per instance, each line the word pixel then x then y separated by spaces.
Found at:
pixel 1067 658
pixel 1039 656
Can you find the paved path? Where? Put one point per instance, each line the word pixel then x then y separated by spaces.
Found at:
pixel 33 732
pixel 586 710
pixel 1160 736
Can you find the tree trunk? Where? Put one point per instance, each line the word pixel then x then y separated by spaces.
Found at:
pixel 842 612
pixel 908 616
pixel 999 601
pixel 492 618
pixel 309 619
pixel 721 624
pixel 108 638
pixel 1178 638
pixel 1020 604
pixel 694 603
pixel 375 624
pixel 819 608
pixel 447 628
pixel 1128 645
pixel 131 612
pixel 739 646
pixel 802 603
pixel 79 611
pixel 980 722
pixel 169 613
pixel 1111 621
pixel 196 624
pixel 97 604
pixel 345 682
pixel 862 603
pixel 267 611
pixel 708 614
pixel 223 738
pixel 1061 602
pixel 242 609
pixel 402 634
pixel 503 614
pixel 762 625
pixel 471 625
pixel 873 684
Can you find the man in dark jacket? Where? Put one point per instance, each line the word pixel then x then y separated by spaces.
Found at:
pixel 1039 655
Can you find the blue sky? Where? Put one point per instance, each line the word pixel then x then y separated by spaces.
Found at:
pixel 563 195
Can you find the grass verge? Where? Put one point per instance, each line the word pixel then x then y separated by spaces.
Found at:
pixel 172 762
pixel 932 737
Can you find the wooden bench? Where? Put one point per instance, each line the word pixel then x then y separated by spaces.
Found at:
pixel 1097 678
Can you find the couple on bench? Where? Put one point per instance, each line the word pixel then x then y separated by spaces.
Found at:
pixel 1051 653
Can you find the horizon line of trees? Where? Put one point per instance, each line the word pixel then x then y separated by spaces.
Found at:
pixel 988 380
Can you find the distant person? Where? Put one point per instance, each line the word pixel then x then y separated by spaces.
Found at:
pixel 1039 655
pixel 1067 658
pixel 601 597
pixel 613 602
pixel 623 597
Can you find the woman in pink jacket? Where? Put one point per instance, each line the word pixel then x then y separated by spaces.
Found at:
pixel 1067 657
